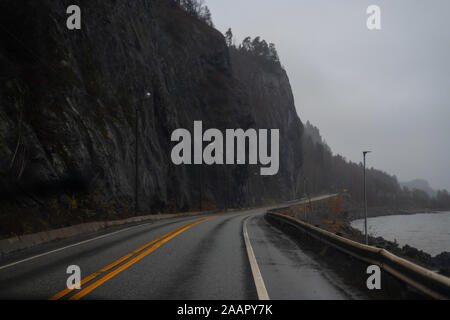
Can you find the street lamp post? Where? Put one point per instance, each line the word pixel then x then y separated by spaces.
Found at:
pixel 136 180
pixel 365 197
pixel 304 199
pixel 227 187
pixel 250 190
pixel 200 188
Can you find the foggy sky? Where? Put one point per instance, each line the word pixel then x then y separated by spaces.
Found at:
pixel 386 91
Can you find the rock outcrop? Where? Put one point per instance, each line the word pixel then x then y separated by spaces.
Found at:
pixel 68 102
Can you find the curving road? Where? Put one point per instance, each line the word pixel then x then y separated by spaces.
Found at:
pixel 205 257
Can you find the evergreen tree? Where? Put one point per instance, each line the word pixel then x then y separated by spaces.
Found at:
pixel 229 37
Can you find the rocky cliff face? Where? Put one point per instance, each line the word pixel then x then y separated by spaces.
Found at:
pixel 68 102
pixel 271 104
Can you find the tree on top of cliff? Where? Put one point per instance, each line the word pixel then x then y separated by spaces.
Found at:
pixel 229 37
pixel 259 48
pixel 198 9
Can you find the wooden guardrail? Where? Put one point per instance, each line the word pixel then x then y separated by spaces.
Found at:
pixel 425 281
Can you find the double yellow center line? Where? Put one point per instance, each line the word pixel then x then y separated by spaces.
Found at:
pixel 155 244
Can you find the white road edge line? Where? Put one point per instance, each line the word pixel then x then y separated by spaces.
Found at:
pixel 72 245
pixel 257 277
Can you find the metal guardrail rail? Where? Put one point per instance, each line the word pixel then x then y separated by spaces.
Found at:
pixel 425 281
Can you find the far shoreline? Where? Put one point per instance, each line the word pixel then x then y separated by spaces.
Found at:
pixel 381 212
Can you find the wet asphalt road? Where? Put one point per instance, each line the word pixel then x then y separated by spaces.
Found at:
pixel 207 260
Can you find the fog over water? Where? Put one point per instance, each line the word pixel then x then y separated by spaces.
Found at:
pixel 386 91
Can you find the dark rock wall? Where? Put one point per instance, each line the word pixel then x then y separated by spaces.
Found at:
pixel 68 99
pixel 271 104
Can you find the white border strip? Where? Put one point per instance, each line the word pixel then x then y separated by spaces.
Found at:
pixel 257 277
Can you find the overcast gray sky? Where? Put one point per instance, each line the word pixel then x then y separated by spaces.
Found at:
pixel 386 91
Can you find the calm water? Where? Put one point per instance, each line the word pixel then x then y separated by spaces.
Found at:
pixel 428 232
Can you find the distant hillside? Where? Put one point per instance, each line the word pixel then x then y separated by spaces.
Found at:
pixel 314 132
pixel 419 184
pixel 328 172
